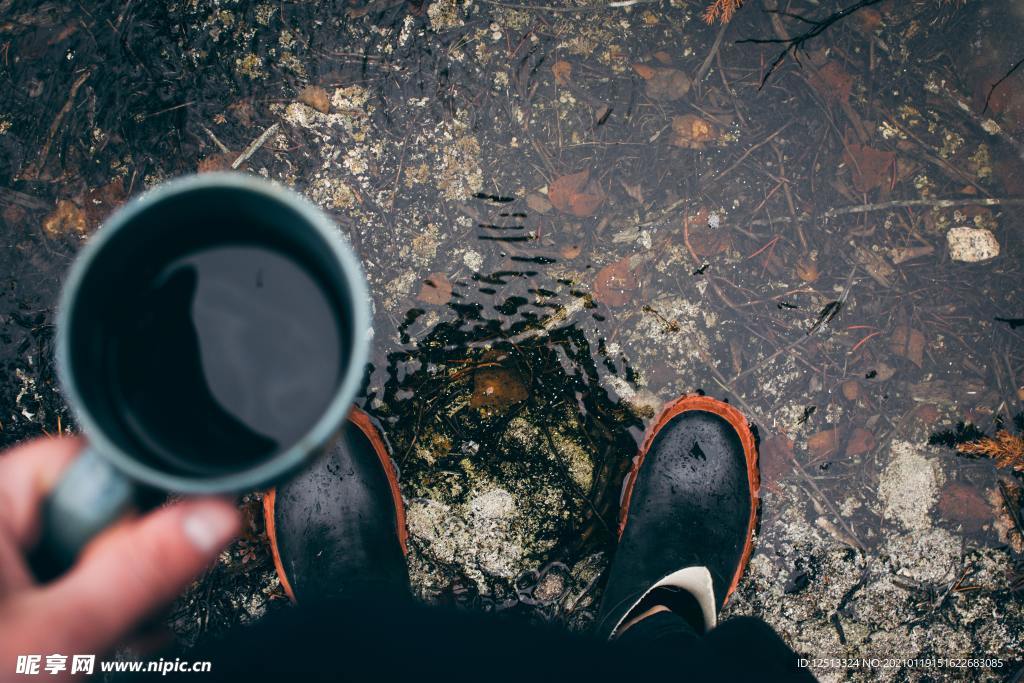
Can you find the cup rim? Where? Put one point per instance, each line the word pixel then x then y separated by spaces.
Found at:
pixel 334 414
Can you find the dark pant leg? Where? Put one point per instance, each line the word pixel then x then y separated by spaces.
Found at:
pixel 380 640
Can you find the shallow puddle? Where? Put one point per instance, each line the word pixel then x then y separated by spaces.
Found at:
pixel 570 214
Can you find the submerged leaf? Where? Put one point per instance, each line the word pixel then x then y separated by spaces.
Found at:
pixel 497 388
pixel 871 168
pixel 615 284
pixel 576 193
pixel 436 290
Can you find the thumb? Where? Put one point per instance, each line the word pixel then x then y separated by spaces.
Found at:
pixel 131 571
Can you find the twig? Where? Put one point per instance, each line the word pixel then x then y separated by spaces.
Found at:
pixel 997 84
pixel 220 145
pixel 817 28
pixel 256 144
pixel 617 4
pixel 894 204
pixel 32 171
pixel 706 66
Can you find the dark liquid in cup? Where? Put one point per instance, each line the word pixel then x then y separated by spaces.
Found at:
pixel 229 356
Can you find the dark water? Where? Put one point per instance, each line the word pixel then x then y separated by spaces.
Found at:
pixel 230 355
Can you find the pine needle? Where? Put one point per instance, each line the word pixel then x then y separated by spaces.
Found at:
pixel 721 10
pixel 1005 448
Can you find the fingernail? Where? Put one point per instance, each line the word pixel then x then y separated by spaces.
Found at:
pixel 210 526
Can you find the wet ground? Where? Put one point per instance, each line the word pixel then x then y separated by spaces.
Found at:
pixel 570 213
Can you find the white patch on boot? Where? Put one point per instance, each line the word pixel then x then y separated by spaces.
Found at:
pixel 694 580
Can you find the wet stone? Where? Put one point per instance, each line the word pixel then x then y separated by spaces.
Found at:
pixel 972 245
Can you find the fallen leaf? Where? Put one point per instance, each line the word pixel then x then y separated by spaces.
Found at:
pixel 643 71
pixel 963 504
pixel 216 162
pixel 876 266
pixel 903 254
pixel 926 414
pixel 705 240
pixel 871 168
pixel 13 215
pixel 880 372
pixel 832 82
pixel 909 343
pixel 663 57
pixel 316 97
pixel 806 269
pixel 665 84
pixel 635 192
pixel 868 19
pixel 692 132
pixel 861 441
pixel 562 71
pixel 570 251
pixel 576 193
pixel 100 202
pixel 823 444
pixel 851 390
pixel 538 203
pixel 68 218
pixel 615 284
pixel 243 112
pixel 775 457
pixel 436 290
pixel 497 388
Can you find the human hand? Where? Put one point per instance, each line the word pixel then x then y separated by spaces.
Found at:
pixel 123 575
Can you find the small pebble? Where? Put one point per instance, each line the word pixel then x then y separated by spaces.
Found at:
pixel 972 245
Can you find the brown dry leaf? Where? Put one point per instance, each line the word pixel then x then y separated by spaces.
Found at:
pixel 663 57
pixel 68 218
pixel 806 269
pixel 965 505
pixel 615 284
pixel 832 82
pixel 667 84
pixel 876 266
pixel 871 168
pixel 220 161
pixel 824 443
pixel 243 112
pixel 538 203
pixel 903 254
pixel 570 251
pixel 497 388
pixel 100 202
pixel 316 97
pixel 868 19
pixel 909 343
pixel 436 290
pixel 562 71
pixel 861 441
pixel 705 240
pixel 635 192
pixel 13 215
pixel 925 414
pixel 1006 449
pixel 851 389
pixel 576 193
pixel 692 132
pixel 643 71
pixel 775 457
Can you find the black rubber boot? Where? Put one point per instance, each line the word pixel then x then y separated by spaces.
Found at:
pixel 688 516
pixel 337 529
